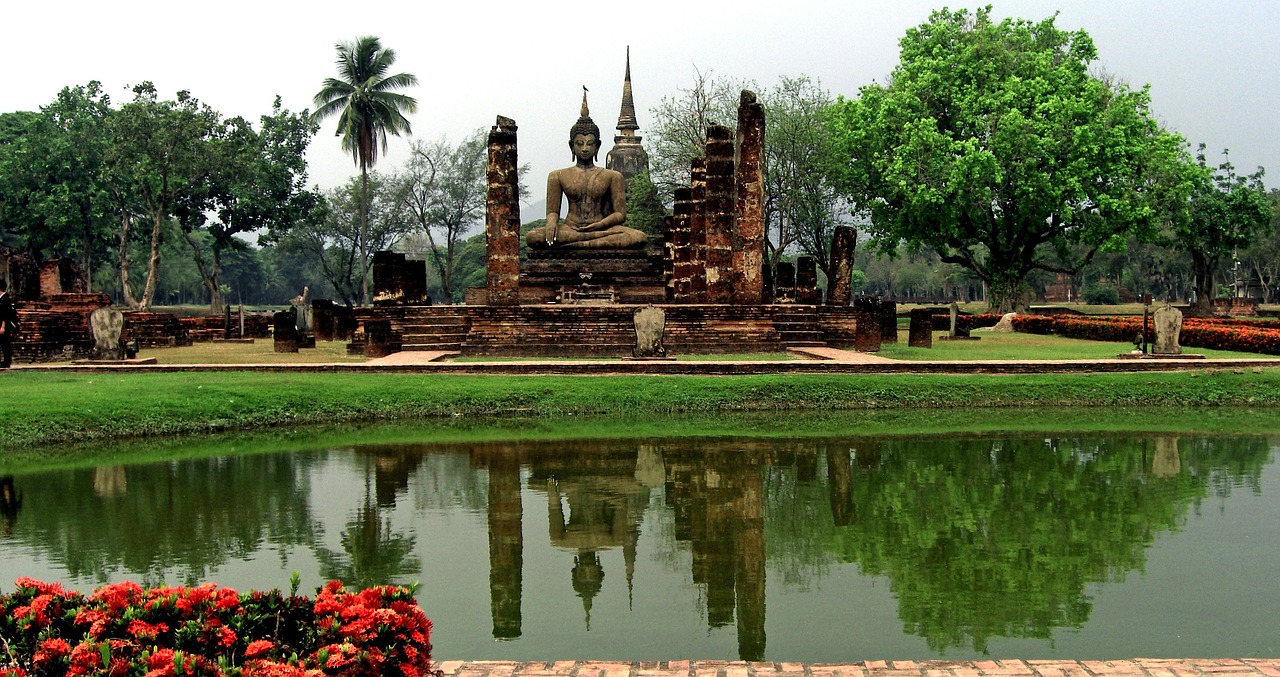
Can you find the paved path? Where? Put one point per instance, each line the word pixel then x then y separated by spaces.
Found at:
pixel 1141 667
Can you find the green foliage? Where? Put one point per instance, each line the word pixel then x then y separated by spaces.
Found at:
pixel 1100 293
pixel 645 210
pixel 993 145
pixel 1227 211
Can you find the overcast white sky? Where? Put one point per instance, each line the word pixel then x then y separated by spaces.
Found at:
pixel 1214 67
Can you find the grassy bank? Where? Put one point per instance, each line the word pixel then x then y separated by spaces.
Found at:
pixel 43 408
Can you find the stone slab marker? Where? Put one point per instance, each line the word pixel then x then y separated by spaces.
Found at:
pixel 843 244
pixel 285 331
pixel 107 324
pixel 748 244
pixel 721 214
pixel 1168 326
pixel 866 313
pixel 502 216
pixel 920 333
pixel 807 281
pixel 650 323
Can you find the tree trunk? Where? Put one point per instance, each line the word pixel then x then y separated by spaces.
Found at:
pixel 125 290
pixel 1007 296
pixel 1202 282
pixel 153 262
pixel 364 235
pixel 207 278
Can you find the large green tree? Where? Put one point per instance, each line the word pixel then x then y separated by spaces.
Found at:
pixel 1227 212
pixel 258 183
pixel 364 98
pixel 160 158
pixel 993 144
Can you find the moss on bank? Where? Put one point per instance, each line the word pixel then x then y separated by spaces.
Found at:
pixel 47 408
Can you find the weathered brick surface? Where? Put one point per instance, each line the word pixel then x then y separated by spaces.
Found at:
pixel 748 242
pixel 502 216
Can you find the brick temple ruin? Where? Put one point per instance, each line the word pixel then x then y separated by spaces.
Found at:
pixel 707 271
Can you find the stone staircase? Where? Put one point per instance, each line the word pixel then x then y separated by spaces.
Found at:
pixel 799 326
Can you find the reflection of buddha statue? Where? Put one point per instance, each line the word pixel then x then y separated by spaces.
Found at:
pixel 597 199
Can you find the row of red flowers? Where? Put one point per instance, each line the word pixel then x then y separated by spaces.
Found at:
pixel 1250 336
pixel 122 629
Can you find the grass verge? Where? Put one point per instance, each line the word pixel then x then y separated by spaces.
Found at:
pixel 43 408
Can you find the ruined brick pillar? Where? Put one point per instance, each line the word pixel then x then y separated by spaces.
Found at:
pixel 888 322
pixel 785 284
pixel 698 230
pixel 748 244
pixel 866 315
pixel 767 274
pixel 920 333
pixel 807 281
pixel 843 243
pixel 680 239
pixel 721 214
pixel 502 216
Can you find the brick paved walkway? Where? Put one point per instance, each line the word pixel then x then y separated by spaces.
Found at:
pixel 1142 667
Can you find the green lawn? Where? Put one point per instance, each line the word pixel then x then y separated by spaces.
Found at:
pixel 1015 346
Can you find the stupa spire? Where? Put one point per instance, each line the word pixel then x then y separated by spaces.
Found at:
pixel 627 117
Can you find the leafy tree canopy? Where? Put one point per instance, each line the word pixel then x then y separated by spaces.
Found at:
pixel 994 145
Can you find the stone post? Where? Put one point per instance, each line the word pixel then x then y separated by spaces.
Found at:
pixel 721 214
pixel 807 281
pixel 767 274
pixel 920 334
pixel 680 238
pixel 748 243
pixel 866 313
pixel 888 322
pixel 698 230
pixel 1168 325
pixel 285 331
pixel 843 244
pixel 379 340
pixel 322 319
pixel 502 216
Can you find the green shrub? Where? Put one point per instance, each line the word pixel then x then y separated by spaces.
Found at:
pixel 1101 293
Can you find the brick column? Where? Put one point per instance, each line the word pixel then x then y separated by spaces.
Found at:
pixel 721 214
pixel 502 216
pixel 748 243
pixel 866 313
pixel 920 335
pixel 888 322
pixel 785 283
pixel 843 243
pixel 698 231
pixel 680 238
pixel 807 281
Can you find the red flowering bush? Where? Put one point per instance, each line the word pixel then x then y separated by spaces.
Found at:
pixel 1251 336
pixel 123 629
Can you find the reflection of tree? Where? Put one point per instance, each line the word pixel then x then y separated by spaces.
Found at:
pixel 168 519
pixel 989 539
pixel 372 553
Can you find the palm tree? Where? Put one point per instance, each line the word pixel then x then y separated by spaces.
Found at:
pixel 368 108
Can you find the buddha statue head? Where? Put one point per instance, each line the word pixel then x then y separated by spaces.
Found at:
pixel 586 128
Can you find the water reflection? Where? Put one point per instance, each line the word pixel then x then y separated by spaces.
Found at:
pixel 978 539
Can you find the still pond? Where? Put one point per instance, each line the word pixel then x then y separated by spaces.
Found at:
pixel 832 549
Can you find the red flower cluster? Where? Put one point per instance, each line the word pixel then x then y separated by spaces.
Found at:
pixel 123 629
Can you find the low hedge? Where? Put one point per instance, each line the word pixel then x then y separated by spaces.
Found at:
pixel 1252 336
pixel 123 629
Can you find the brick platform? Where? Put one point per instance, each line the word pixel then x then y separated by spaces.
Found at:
pixel 1141 667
